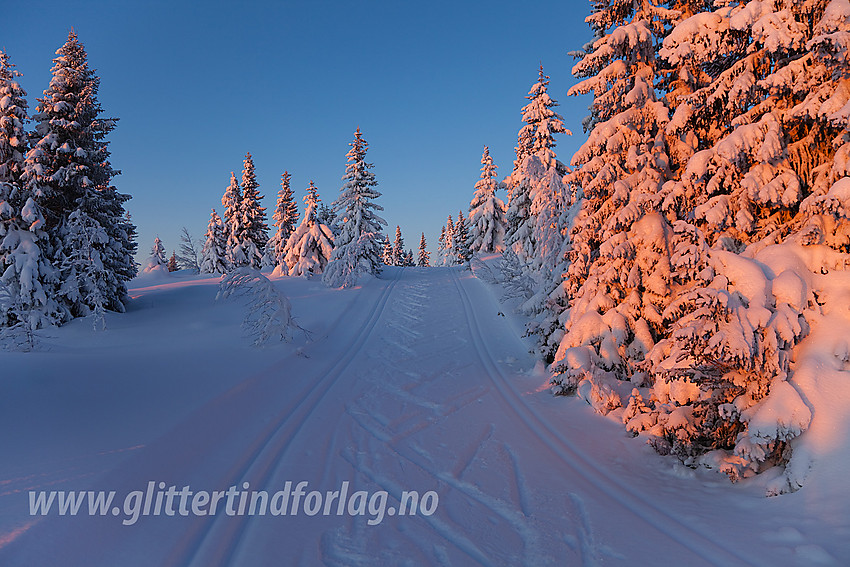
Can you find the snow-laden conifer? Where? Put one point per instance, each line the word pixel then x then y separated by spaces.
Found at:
pixel 486 211
pixel 309 248
pixel 251 233
pixel 536 137
pixel 326 216
pixel 347 264
pixel 358 225
pixel 84 277
pixel 28 279
pixel 13 119
pixel 398 248
pixel 387 254
pixel 760 162
pixel 449 256
pixel 232 203
pixel 156 262
pixel 214 252
pixel 461 239
pixel 68 169
pixel 424 256
pixel 441 247
pixel 285 218
pixel 618 277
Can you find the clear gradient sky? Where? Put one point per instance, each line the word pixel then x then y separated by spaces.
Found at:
pixel 197 84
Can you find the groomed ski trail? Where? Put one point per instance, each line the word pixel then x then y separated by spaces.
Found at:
pixel 404 392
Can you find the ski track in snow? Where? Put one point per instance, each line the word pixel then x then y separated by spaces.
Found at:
pixel 700 544
pixel 219 542
pixel 376 428
pixel 409 397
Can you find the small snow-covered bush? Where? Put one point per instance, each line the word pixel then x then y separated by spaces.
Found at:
pixel 269 316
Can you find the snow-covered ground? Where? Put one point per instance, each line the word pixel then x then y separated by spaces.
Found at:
pixel 415 381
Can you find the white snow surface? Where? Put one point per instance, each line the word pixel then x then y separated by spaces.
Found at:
pixel 416 380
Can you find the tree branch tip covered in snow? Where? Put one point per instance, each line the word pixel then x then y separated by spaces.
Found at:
pixel 269 317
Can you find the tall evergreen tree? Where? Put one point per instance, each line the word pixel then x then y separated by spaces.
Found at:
pixel 619 276
pixel 486 211
pixel 461 238
pixel 536 137
pixel 358 224
pixel 449 245
pixel 13 118
pixel 27 277
pixel 233 230
pixel 214 252
pixel 441 247
pixel 253 235
pixel 68 169
pixel 285 218
pixel 424 256
pixel 309 248
pixel 387 255
pixel 763 159
pixel 398 248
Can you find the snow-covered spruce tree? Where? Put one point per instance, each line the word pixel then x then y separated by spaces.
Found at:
pixel 449 245
pixel 84 276
pixel 326 216
pixel 441 247
pixel 172 264
pixel 461 238
pixel 358 225
pixel 619 272
pixel 13 117
pixel 536 137
pixel 398 248
pixel 285 218
pixel 728 144
pixel 232 203
pixel 553 212
pixel 214 252
pixel 26 276
pixel 28 279
pixel 764 168
pixel 486 211
pixel 825 211
pixel 309 248
pixel 156 262
pixel 189 256
pixel 769 134
pixel 728 352
pixel 252 231
pixel 424 256
pixel 387 254
pixel 68 169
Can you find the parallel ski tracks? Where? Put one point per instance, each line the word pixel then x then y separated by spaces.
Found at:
pixel 217 541
pixel 697 542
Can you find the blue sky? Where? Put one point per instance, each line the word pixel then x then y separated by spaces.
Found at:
pixel 196 85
